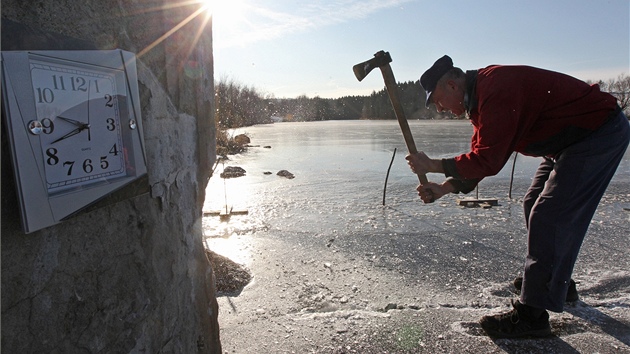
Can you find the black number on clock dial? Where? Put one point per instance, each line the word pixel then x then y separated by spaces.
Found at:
pixel 77 83
pixel 48 125
pixel 88 168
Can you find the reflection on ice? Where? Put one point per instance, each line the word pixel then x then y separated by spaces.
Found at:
pixel 231 238
pixel 235 247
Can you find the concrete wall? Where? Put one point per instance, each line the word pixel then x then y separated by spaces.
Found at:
pixel 132 276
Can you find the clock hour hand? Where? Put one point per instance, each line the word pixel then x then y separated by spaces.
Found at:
pixel 81 127
pixel 72 121
pixel 73 132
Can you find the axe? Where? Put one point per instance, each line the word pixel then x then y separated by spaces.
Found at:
pixel 381 60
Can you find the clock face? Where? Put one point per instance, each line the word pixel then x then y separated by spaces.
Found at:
pixel 74 130
pixel 78 123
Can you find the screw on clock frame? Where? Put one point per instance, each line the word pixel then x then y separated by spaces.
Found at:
pixel 35 127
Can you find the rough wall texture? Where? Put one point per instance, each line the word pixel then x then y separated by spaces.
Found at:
pixel 132 276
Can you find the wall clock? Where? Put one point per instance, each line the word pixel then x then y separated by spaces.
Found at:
pixel 74 127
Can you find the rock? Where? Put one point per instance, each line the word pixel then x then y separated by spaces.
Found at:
pixel 391 306
pixel 285 173
pixel 242 139
pixel 230 277
pixel 267 172
pixel 233 172
pixel 341 329
pixel 267 147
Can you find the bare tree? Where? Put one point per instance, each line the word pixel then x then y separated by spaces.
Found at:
pixel 620 88
pixel 238 105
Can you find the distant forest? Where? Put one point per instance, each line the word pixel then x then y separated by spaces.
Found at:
pixel 239 106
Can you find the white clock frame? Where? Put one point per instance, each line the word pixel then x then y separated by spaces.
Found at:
pixel 43 204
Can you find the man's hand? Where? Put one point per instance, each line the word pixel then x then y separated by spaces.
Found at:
pixel 420 163
pixel 431 192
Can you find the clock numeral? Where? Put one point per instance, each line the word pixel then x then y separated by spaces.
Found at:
pixel 109 99
pixel 45 95
pixel 111 124
pixel 87 166
pixel 59 83
pixel 104 163
pixel 52 157
pixel 48 125
pixel 114 150
pixel 69 163
pixel 78 83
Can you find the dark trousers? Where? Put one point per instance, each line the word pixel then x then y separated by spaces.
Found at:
pixel 559 206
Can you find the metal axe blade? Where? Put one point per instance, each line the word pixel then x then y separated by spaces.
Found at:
pixel 362 70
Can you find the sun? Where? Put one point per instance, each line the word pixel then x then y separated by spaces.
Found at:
pixel 230 21
pixel 225 12
pixel 225 15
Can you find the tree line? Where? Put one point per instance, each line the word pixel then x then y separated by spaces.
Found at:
pixel 238 105
pixel 620 88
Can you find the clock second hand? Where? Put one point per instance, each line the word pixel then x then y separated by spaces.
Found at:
pixel 88 114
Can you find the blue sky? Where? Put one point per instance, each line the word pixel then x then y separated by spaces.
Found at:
pixel 288 48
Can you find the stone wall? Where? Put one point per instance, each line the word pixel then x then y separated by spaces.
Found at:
pixel 130 276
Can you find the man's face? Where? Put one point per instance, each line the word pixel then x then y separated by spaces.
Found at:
pixel 449 97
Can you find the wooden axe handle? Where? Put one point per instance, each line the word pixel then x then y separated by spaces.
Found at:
pixel 392 90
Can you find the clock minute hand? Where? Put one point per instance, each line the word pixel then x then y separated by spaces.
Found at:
pixel 73 132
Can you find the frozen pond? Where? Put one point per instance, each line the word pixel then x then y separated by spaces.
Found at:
pixel 326 256
pixel 337 192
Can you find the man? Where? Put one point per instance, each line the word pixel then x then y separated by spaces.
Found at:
pixel 579 131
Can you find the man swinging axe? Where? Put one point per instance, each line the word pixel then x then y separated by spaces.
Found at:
pixel 581 134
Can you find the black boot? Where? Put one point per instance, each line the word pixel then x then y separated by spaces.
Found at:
pixel 572 294
pixel 522 321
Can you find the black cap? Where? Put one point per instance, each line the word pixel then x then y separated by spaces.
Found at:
pixel 429 79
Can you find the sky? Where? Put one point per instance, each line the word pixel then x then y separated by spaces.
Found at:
pixel 288 48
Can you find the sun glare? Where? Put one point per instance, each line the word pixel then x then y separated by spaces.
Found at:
pixel 228 18
pixel 224 11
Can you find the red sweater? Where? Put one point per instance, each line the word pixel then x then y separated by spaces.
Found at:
pixel 533 111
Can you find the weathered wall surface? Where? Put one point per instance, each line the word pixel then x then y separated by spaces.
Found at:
pixel 132 276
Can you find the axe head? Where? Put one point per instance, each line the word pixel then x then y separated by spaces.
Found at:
pixel 361 70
